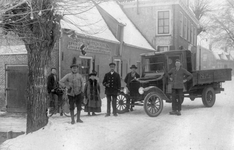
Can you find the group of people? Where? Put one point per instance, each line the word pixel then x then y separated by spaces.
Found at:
pixel 89 93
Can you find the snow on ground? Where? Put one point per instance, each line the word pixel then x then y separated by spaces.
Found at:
pixel 198 128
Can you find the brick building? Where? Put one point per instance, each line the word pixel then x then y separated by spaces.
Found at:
pixel 106 37
pixel 167 25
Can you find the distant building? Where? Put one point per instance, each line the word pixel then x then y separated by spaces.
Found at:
pixel 166 24
pixel 215 59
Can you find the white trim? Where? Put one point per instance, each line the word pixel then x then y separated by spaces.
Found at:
pixel 170 22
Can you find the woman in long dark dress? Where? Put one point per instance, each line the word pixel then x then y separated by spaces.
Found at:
pixel 92 94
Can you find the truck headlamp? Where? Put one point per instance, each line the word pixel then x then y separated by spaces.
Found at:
pixel 141 90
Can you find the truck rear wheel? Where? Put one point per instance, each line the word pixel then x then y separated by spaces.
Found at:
pixel 208 96
pixel 153 104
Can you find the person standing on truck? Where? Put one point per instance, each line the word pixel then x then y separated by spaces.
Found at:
pixel 129 77
pixel 178 76
pixel 112 83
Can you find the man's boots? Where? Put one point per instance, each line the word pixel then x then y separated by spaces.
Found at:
pixel 78 117
pixel 72 117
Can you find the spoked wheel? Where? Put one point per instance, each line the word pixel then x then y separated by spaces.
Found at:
pixel 66 108
pixel 208 97
pixel 121 103
pixel 153 104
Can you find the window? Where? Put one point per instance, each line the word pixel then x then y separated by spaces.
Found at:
pixel 191 33
pixel 162 48
pixel 195 36
pixel 163 22
pixel 86 67
pixel 181 24
pixel 188 30
pixel 118 67
pixel 185 28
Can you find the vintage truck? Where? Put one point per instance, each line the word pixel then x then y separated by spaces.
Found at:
pixel 154 85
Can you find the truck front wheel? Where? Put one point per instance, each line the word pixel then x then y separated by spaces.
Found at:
pixel 208 96
pixel 153 104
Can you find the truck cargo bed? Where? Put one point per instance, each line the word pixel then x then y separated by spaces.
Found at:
pixel 211 76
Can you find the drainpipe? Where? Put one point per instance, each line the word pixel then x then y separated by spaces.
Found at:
pixel 60 54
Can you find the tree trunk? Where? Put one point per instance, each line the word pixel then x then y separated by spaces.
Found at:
pixel 36 92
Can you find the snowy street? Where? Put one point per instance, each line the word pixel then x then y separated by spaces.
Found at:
pixel 198 128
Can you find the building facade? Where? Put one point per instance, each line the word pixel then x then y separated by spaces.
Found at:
pixel 167 25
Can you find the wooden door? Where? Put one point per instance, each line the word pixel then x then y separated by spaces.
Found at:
pixel 16 85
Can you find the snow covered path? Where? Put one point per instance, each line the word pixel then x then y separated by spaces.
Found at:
pixel 198 128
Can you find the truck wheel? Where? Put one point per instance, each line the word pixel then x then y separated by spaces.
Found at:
pixel 121 103
pixel 208 96
pixel 153 104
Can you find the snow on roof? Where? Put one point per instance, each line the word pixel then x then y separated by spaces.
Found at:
pixel 85 19
pixel 17 49
pixel 216 55
pixel 131 34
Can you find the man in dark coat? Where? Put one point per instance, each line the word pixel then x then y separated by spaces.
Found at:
pixel 178 76
pixel 112 85
pixel 130 77
pixel 52 84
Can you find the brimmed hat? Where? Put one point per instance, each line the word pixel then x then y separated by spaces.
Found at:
pixel 74 65
pixel 133 66
pixel 93 73
pixel 112 64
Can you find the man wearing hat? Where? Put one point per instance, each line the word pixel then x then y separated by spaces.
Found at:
pixel 112 85
pixel 129 77
pixel 74 83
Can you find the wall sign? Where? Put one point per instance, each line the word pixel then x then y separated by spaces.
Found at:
pixel 92 46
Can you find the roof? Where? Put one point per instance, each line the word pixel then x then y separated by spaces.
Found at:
pixel 131 36
pixel 85 19
pixel 17 49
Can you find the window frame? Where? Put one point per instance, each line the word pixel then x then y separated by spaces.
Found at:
pixel 169 22
pixel 164 47
pixel 181 24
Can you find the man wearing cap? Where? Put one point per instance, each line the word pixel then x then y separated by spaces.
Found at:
pixel 178 76
pixel 130 77
pixel 74 84
pixel 112 85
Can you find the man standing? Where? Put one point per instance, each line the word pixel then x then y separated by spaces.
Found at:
pixel 129 77
pixel 112 85
pixel 74 84
pixel 178 76
pixel 52 84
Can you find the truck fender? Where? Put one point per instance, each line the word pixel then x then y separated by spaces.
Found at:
pixel 155 89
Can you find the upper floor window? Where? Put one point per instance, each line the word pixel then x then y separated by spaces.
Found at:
pixel 195 36
pixel 163 22
pixel 181 24
pixel 185 28
pixel 188 30
pixel 162 48
pixel 191 33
